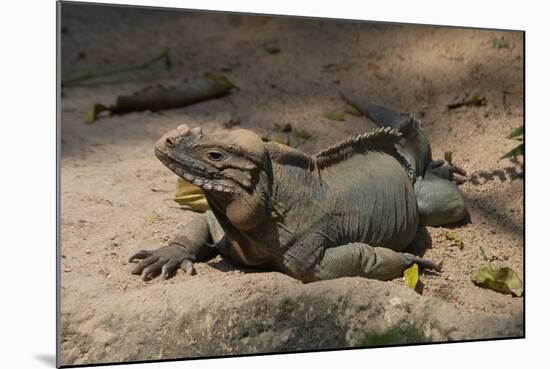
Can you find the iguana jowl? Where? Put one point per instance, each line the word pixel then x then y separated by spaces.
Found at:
pixel 350 210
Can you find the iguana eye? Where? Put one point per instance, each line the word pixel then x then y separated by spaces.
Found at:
pixel 215 155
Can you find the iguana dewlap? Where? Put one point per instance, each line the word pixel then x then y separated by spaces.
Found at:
pixel 350 210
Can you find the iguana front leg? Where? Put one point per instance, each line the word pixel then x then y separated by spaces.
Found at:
pixel 359 259
pixel 196 242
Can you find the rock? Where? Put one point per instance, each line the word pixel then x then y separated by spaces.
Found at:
pixel 280 314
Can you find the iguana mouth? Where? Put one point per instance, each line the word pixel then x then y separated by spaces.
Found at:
pixel 192 176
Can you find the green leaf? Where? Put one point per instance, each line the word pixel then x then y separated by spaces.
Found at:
pixel 516 151
pixel 503 280
pixel 190 195
pixel 334 115
pixel 516 132
pixel 411 276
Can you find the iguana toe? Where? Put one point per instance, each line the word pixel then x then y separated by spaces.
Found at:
pixel 140 255
pixel 187 266
pixel 164 262
pixel 169 269
pixel 145 263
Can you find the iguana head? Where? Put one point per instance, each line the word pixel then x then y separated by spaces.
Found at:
pixel 230 167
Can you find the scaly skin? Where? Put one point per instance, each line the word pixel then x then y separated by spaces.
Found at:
pixel 350 210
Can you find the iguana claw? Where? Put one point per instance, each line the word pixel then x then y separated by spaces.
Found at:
pixel 446 171
pixel 164 262
pixel 426 264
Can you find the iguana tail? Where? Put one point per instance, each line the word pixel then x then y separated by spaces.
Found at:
pixel 414 145
pixel 380 115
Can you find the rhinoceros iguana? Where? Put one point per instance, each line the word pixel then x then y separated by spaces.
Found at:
pixel 350 210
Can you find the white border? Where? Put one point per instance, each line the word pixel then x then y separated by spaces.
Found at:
pixel 27 153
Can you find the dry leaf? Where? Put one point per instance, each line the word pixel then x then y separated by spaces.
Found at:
pixel 272 50
pixel 152 218
pixel 283 141
pixel 474 97
pixel 190 195
pixel 334 115
pixel 373 66
pixel 503 280
pixel 379 76
pixel 302 133
pixel 513 91
pixel 102 141
pixel 457 241
pixel 160 97
pixel 350 109
pixel 448 156
pixel 283 128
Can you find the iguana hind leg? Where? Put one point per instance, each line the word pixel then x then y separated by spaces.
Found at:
pixel 446 171
pixel 438 197
pixel 359 259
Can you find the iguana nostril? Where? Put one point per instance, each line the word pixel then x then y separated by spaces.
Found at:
pixel 170 142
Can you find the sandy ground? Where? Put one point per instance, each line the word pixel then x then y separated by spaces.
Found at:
pixel 116 197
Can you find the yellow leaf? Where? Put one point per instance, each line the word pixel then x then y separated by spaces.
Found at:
pixel 190 195
pixel 90 116
pixel 457 241
pixel 151 218
pixel 503 280
pixel 448 156
pixel 411 276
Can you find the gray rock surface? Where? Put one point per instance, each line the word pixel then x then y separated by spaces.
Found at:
pixel 272 314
